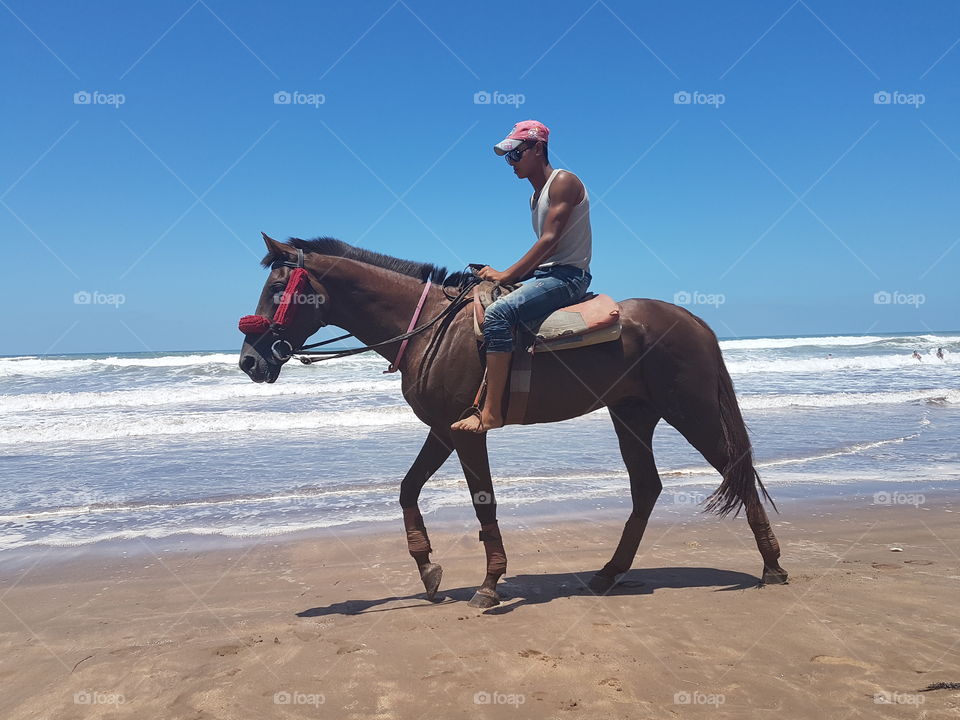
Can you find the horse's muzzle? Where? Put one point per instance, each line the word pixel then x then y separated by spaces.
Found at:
pixel 258 368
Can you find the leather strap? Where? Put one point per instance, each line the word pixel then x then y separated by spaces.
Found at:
pixel 395 365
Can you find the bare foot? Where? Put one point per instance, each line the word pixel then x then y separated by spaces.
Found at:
pixel 477 423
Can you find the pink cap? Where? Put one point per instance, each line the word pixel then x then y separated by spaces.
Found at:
pixel 527 130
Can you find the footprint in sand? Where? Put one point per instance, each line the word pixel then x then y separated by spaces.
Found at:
pixel 349 648
pixel 885 566
pixel 831 660
pixel 227 650
pixel 613 683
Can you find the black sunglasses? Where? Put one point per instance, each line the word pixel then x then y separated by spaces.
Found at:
pixel 517 153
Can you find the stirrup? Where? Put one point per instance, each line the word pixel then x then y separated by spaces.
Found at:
pixel 473 410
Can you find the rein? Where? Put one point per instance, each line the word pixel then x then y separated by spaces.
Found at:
pixel 282 349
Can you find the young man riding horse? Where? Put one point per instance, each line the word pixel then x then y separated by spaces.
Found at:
pixel 664 364
pixel 557 266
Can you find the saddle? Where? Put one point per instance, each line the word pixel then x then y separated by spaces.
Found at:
pixel 593 320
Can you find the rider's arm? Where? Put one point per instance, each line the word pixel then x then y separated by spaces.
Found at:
pixel 565 192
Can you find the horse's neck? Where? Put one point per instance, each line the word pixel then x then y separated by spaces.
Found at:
pixel 371 303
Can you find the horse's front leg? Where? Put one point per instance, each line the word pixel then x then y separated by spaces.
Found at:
pixel 472 452
pixel 435 451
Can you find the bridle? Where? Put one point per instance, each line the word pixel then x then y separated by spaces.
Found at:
pixel 282 349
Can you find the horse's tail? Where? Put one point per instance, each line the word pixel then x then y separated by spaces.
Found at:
pixel 740 477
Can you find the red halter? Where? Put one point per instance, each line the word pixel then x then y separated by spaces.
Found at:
pixel 297 284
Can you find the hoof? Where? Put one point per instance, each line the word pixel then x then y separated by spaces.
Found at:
pixel 601 584
pixel 484 599
pixel 777 576
pixel 431 573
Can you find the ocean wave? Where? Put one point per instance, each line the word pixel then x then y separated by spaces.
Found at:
pixel 65 538
pixel 838 364
pixel 187 394
pixel 444 484
pixel 777 343
pixel 43 366
pixel 63 417
pixel 34 366
pixel 937 396
pixel 48 366
pixel 835 341
pixel 112 426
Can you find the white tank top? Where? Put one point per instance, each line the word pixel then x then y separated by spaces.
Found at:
pixel 575 246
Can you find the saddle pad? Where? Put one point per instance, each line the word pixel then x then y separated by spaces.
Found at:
pixel 568 342
pixel 598 312
pixel 572 326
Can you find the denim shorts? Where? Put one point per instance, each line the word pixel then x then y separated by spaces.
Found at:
pixel 549 289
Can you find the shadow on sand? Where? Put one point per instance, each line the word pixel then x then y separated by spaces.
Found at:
pixel 519 590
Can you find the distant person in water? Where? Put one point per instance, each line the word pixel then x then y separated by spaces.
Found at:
pixel 939 353
pixel 917 356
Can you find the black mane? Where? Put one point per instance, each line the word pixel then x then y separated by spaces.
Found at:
pixel 338 248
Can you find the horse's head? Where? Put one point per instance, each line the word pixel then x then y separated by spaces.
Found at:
pixel 291 309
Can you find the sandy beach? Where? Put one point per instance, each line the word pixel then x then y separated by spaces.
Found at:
pixel 335 625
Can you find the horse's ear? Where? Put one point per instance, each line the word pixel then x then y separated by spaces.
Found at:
pixel 273 247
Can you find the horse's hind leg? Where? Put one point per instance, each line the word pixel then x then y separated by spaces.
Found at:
pixel 435 451
pixel 767 543
pixel 706 435
pixel 634 426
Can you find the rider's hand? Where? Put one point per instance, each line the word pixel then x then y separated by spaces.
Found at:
pixel 488 273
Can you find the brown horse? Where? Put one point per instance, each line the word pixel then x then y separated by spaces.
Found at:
pixel 667 364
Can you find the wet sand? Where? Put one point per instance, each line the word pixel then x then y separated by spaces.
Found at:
pixel 335 625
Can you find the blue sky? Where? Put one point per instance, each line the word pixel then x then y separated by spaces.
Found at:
pixel 780 200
